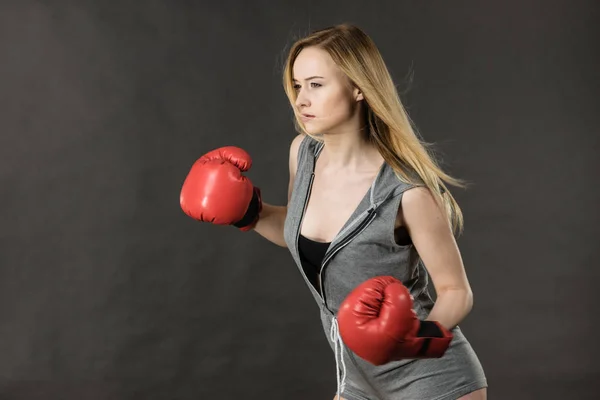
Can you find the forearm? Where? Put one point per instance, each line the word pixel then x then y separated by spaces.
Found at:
pixel 451 307
pixel 270 223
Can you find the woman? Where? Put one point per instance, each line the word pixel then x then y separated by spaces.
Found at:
pixel 365 200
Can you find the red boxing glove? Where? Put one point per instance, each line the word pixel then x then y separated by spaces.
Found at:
pixel 378 323
pixel 215 190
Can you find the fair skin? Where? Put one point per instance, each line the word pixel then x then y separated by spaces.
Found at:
pixel 344 172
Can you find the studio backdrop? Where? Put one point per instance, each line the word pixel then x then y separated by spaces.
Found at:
pixel 109 291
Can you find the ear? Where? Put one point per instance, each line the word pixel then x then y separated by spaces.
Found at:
pixel 358 96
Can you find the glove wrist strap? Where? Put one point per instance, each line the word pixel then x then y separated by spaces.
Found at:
pixel 429 329
pixel 435 339
pixel 250 219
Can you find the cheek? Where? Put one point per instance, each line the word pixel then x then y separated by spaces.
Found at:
pixel 335 104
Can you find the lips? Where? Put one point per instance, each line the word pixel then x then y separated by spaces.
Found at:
pixel 308 116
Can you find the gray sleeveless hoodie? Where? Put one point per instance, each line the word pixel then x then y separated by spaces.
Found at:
pixel 365 248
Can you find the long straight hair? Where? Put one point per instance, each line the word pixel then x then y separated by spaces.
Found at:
pixel 390 127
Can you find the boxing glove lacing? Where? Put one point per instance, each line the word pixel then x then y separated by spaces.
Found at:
pixel 334 335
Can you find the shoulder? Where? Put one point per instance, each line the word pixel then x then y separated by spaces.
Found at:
pixel 300 145
pixel 295 145
pixel 417 196
pixel 294 150
pixel 419 206
pixel 397 183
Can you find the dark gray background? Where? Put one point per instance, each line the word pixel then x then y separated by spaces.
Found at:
pixel 108 291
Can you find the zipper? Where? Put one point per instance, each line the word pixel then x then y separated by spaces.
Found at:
pixel 371 214
pixel 310 183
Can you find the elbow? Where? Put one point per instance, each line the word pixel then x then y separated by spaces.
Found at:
pixel 461 298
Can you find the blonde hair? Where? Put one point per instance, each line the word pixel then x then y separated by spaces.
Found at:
pixel 390 127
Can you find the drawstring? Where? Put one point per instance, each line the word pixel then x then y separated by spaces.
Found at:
pixel 334 335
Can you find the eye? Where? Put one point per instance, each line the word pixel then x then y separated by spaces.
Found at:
pixel 296 86
pixel 315 84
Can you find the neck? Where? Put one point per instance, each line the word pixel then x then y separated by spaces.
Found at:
pixel 349 150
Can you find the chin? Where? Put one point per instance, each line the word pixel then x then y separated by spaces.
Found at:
pixel 317 129
pixel 311 128
pixel 311 131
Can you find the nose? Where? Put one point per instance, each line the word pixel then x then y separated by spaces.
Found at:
pixel 302 100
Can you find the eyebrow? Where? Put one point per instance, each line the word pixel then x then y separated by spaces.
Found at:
pixel 309 78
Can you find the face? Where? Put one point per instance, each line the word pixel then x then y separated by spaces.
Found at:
pixel 326 100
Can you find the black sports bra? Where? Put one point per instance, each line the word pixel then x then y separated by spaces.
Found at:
pixel 311 257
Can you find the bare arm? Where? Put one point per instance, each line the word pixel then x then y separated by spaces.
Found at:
pixel 432 236
pixel 272 218
pixel 270 223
